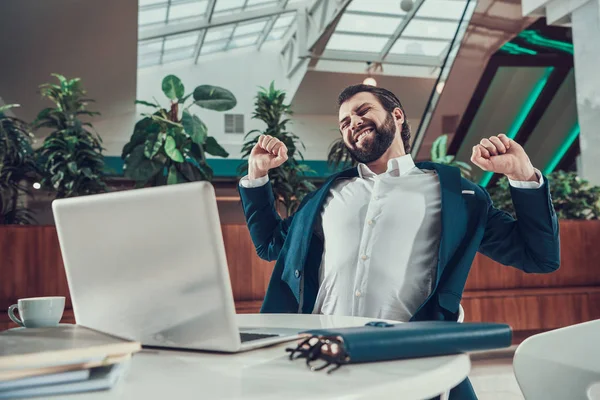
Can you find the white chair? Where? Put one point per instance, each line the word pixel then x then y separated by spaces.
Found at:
pixel 460 319
pixel 461 314
pixel 560 364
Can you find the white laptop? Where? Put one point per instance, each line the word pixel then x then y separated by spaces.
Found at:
pixel 149 265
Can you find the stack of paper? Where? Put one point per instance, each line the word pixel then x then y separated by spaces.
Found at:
pixel 60 360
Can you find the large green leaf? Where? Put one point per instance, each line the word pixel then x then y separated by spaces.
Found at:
pixel 138 167
pixel 214 148
pixel 73 167
pixel 154 142
pixel 206 171
pixel 142 129
pixel 57 179
pixel 438 149
pixel 8 107
pixel 214 98
pixel 174 176
pixel 448 159
pixel 196 152
pixel 190 171
pixel 172 87
pixel 172 151
pixel 87 172
pixel 159 119
pixel 464 165
pixel 194 127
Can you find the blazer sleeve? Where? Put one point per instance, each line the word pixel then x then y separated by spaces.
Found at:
pixel 531 241
pixel 267 229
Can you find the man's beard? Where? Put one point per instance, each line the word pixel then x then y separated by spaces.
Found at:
pixel 382 139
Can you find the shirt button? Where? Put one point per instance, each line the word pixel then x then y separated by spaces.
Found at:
pixel 370 222
pixel 358 293
pixel 376 197
pixel 297 274
pixel 363 257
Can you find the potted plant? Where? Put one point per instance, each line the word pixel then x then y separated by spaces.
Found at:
pixel 71 155
pixel 289 181
pixel 339 157
pixel 573 198
pixel 169 146
pixel 17 166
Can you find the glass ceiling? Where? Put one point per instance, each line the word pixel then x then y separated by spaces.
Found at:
pixel 160 13
pixel 367 26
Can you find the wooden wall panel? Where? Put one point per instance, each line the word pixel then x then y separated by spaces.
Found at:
pixel 580 252
pixel 30 264
pixel 536 310
pixel 248 273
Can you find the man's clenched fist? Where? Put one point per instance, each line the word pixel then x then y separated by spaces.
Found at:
pixel 267 154
pixel 503 155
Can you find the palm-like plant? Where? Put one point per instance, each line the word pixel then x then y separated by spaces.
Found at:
pixel 169 146
pixel 339 156
pixel 289 181
pixel 439 155
pixel 71 156
pixel 17 165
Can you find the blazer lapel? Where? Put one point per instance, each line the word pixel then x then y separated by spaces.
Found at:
pixel 453 213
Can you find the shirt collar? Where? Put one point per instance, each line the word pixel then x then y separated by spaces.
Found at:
pixel 398 166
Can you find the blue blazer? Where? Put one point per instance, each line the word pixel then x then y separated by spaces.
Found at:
pixel 470 223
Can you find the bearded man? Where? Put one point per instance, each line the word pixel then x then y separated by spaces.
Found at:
pixel 391 239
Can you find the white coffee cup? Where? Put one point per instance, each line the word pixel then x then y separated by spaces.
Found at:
pixel 38 312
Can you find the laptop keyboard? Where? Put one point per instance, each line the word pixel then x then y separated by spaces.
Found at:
pixel 248 337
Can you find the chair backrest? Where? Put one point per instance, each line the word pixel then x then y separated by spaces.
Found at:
pixel 560 364
pixel 460 319
pixel 461 314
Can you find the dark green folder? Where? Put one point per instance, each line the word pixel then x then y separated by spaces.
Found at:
pixel 380 341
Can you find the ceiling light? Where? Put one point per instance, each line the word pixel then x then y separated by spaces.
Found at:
pixel 406 5
pixel 370 81
pixel 372 69
pixel 440 87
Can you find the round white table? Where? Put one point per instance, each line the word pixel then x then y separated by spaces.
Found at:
pixel 267 373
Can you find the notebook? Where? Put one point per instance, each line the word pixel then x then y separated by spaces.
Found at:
pixel 50 349
pixel 100 378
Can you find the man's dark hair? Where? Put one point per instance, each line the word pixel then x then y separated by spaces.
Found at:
pixel 388 100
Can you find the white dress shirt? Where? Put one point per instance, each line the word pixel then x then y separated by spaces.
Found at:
pixel 381 238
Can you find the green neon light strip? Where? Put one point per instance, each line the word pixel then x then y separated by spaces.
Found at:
pixel 560 153
pixel 521 116
pixel 513 48
pixel 535 38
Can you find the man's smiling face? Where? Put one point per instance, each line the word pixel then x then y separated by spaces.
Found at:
pixel 367 129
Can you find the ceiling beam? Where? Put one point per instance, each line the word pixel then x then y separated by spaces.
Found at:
pixel 314 25
pixel 384 15
pixel 381 35
pixel 354 56
pixel 209 13
pixel 270 25
pixel 185 27
pixel 398 32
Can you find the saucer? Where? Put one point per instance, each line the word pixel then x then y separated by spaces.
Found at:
pixel 22 327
